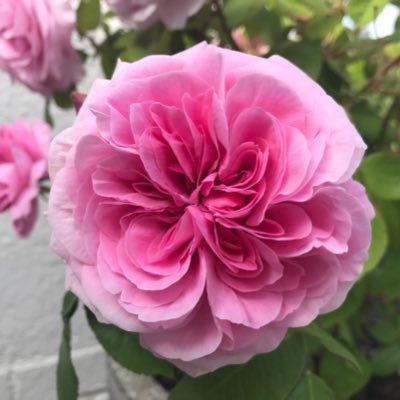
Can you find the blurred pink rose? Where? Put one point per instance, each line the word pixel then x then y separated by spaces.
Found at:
pixel 23 162
pixel 209 209
pixel 35 44
pixel 140 14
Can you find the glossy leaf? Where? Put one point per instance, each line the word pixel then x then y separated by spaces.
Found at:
pixel 125 349
pixel 311 387
pixel 306 56
pixel 331 344
pixel 269 376
pixel 381 173
pixel 342 377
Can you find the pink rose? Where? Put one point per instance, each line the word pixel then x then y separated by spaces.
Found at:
pixel 205 200
pixel 23 163
pixel 140 14
pixel 35 44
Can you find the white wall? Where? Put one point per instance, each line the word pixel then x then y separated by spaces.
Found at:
pixel 31 289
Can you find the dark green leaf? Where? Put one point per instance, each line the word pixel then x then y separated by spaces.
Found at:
pixel 342 377
pixel 109 55
pixel 62 99
pixel 125 349
pixel 386 278
pixel 386 360
pixel 381 174
pixel 70 304
pixel 311 387
pixel 385 331
pixel 269 376
pixel 305 55
pixel 238 11
pixel 67 380
pixel 351 305
pixel 379 244
pixel 331 344
pixel 88 15
pixel 390 211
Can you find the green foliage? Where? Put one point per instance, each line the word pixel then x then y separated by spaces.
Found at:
pixel 379 244
pixel 331 344
pixel 311 387
pixel 67 380
pixel 381 173
pixel 125 349
pixel 269 376
pixel 342 352
pixel 88 15
pixel 364 11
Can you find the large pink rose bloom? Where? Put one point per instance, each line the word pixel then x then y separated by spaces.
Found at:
pixel 140 14
pixel 23 163
pixel 205 200
pixel 35 44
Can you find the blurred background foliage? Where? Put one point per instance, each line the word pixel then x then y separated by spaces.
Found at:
pixel 354 352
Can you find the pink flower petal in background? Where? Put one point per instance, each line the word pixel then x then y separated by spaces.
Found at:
pixel 23 163
pixel 35 44
pixel 140 14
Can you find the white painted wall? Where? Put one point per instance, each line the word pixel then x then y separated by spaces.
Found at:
pixel 31 289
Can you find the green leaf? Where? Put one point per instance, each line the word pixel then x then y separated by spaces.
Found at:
pixel 331 344
pixel 386 360
pixel 385 331
pixel 305 55
pixel 379 244
pixel 70 304
pixel 351 305
pixel 311 387
pixel 386 278
pixel 381 174
pixel 125 349
pixel 88 15
pixel 239 11
pixel 390 211
pixel 295 9
pixel 109 55
pixel 62 99
pixel 67 380
pixel 321 25
pixel 342 377
pixel 266 25
pixel 364 11
pixel 366 120
pixel 269 376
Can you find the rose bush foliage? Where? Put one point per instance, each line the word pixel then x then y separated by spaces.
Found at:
pixel 214 214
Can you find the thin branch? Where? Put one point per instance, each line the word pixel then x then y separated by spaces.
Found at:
pixel 393 110
pixel 218 8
